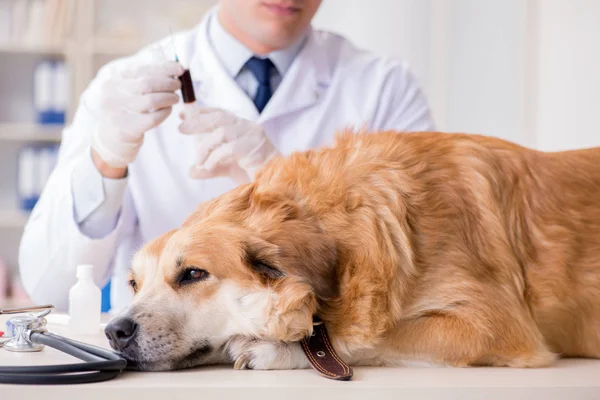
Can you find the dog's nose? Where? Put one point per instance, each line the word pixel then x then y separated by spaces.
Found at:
pixel 120 332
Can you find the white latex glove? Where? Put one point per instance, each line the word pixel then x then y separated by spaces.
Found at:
pixel 134 101
pixel 226 145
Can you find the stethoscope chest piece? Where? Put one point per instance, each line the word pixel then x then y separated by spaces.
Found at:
pixel 23 326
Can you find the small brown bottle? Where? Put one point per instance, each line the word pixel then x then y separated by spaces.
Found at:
pixel 187 87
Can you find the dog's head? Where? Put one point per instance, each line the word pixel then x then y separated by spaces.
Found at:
pixel 247 263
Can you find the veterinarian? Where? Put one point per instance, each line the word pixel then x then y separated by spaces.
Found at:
pixel 135 162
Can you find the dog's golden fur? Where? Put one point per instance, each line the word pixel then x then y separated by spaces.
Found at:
pixel 446 248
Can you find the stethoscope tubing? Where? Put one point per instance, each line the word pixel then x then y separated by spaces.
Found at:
pixel 79 349
pixel 57 379
pixel 100 364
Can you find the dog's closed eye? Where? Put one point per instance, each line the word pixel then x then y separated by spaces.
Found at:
pixel 265 269
pixel 262 257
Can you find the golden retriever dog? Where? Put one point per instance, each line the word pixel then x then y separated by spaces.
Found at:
pixel 424 248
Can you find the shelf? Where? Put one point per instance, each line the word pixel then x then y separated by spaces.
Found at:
pixel 15 219
pixel 30 133
pixel 33 48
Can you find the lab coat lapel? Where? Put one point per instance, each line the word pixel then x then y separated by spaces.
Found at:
pixel 220 91
pixel 303 84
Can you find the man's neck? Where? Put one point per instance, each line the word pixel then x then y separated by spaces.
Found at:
pixel 230 26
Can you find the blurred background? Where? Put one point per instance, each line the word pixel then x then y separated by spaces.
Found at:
pixel 522 70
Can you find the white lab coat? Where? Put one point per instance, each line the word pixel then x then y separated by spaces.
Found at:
pixel 331 85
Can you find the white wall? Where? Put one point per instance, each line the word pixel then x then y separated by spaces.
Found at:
pixel 397 28
pixel 467 54
pixel 485 74
pixel 523 70
pixel 568 79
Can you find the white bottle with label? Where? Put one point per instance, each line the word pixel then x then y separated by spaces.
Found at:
pixel 85 300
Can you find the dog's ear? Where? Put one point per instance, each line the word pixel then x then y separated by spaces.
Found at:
pixel 296 250
pixel 300 249
pixel 299 262
pixel 309 254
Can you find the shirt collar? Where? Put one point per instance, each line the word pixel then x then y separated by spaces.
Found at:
pixel 233 54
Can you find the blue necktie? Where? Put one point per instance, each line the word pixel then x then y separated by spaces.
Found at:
pixel 261 69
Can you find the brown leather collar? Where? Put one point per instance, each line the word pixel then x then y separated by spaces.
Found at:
pixel 322 356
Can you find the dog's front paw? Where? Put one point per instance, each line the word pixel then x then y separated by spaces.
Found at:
pixel 248 353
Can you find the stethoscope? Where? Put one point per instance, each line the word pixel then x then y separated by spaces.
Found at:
pixel 29 334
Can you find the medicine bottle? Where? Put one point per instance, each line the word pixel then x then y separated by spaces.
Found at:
pixel 85 303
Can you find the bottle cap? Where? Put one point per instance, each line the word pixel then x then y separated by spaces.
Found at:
pixel 85 271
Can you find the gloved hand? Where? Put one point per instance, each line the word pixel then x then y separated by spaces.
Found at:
pixel 226 145
pixel 134 101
